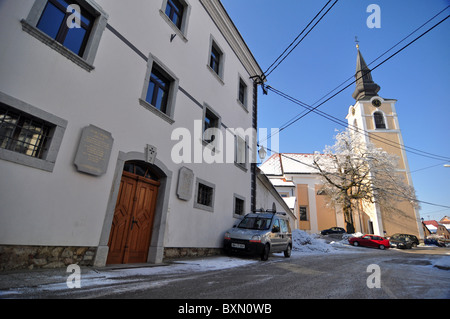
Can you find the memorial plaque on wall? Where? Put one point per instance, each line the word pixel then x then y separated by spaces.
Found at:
pixel 94 150
pixel 185 183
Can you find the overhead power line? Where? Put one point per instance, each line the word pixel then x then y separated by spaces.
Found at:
pixel 358 130
pixel 282 56
pixel 314 109
pixel 385 52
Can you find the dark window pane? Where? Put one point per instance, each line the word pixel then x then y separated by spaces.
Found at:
pixel 205 195
pixel 174 10
pixel 303 213
pixel 151 89
pixel 215 60
pixel 379 120
pixel 75 39
pixel 51 20
pixel 160 100
pixel 158 90
pixel 242 89
pixel 22 133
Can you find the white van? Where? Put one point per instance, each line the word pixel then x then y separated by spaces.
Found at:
pixel 260 234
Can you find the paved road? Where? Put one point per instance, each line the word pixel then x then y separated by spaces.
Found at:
pixel 322 276
pixel 343 275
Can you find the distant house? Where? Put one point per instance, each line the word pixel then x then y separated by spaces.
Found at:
pixel 299 184
pixel 439 229
pixel 268 198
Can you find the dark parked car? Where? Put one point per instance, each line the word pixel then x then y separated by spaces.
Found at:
pixel 401 241
pixel 412 238
pixel 433 241
pixel 333 230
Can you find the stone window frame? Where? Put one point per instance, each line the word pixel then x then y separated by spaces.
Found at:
pixel 214 145
pixel 199 181
pixel 174 86
pixel 243 104
pixel 182 31
pixel 219 76
pixel 87 60
pixel 59 125
pixel 242 166
pixel 237 196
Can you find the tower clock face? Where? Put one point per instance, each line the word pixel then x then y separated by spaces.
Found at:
pixel 376 103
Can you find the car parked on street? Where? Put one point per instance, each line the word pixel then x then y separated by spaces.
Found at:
pixel 260 234
pixel 401 241
pixel 414 240
pixel 333 230
pixel 370 241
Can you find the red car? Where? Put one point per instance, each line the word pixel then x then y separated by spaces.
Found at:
pixel 370 241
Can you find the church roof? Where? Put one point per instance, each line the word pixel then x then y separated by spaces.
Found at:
pixel 365 86
pixel 289 163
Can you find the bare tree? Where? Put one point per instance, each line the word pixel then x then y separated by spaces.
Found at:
pixel 354 171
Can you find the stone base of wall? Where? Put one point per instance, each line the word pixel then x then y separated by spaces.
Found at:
pixel 175 253
pixel 36 257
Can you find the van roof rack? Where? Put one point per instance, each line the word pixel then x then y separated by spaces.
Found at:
pixel 268 211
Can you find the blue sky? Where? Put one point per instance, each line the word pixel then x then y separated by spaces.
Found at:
pixel 418 77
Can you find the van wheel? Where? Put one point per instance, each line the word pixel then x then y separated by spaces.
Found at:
pixel 265 253
pixel 287 252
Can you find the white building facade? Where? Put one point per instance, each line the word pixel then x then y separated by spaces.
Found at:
pixel 103 110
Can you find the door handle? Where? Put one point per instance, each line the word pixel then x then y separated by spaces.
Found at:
pixel 133 222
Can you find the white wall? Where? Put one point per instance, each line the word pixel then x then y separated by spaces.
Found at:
pixel 67 208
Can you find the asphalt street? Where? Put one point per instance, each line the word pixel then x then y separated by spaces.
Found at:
pixel 349 274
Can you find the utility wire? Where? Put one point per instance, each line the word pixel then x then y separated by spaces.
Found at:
pixel 358 130
pixel 385 52
pixel 267 73
pixel 395 45
pixel 313 109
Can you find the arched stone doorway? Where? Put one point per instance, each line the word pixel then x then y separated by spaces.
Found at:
pixel 164 176
pixel 132 225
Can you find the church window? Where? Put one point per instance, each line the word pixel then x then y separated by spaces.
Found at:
pixel 379 120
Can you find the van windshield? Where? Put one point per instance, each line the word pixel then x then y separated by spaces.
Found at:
pixel 258 223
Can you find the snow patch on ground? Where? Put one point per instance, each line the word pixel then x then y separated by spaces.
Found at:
pixel 443 263
pixel 304 243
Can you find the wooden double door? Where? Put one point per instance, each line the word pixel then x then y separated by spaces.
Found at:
pixel 131 229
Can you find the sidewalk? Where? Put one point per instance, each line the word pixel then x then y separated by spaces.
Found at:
pixel 32 283
pixel 39 277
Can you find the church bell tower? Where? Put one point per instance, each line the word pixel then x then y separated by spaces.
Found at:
pixel 376 119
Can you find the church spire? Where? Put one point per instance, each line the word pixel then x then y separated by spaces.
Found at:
pixel 365 86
